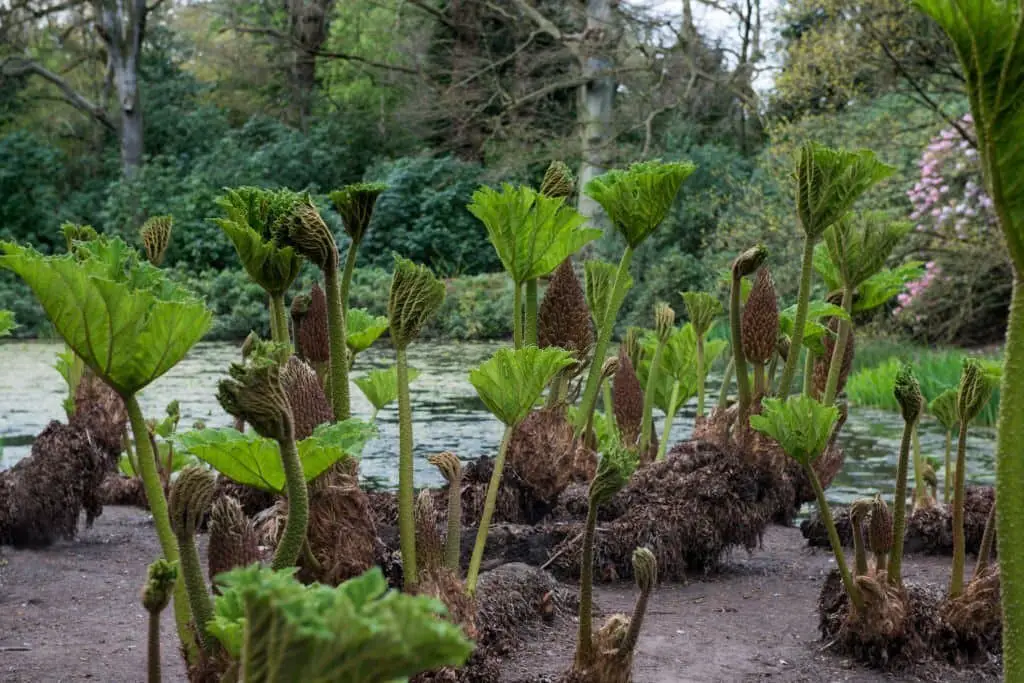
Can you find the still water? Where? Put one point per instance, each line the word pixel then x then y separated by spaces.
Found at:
pixel 447 415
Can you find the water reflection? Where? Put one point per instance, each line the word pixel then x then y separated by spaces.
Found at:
pixel 447 414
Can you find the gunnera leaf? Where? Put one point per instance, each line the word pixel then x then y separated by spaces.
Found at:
pixel 531 233
pixel 256 461
pixel 599 279
pixel 415 296
pixel 943 407
pixel 122 316
pixel 858 245
pixel 7 323
pixel 357 632
pixel 355 204
pixel 801 425
pixel 510 382
pixel 702 308
pixel 381 386
pixel 363 329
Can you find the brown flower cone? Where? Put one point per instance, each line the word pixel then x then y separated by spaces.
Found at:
pixel 564 319
pixel 627 400
pixel 233 541
pixel 822 363
pixel 760 324
pixel 428 540
pixel 100 412
pixel 313 339
pixel 542 452
pixel 310 407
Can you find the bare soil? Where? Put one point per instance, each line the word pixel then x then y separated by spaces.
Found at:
pixel 71 612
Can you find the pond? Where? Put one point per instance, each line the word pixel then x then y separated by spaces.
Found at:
pixel 447 414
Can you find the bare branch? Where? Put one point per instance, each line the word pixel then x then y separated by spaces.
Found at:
pixel 21 66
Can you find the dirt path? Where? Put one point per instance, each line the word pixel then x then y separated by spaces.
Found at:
pixel 75 609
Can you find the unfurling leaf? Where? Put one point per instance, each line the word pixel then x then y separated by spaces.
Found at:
pixel 381 386
pixel 123 317
pixel 355 203
pixel 943 407
pixel 256 461
pixel 829 182
pixel 599 277
pixel 510 382
pixel 702 308
pixel 363 329
pixel 414 298
pixel 613 472
pixel 801 425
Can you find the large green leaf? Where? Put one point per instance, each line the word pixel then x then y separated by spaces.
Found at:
pixel 638 198
pixel 381 386
pixel 858 245
pixel 801 425
pixel 988 36
pixel 829 182
pixel 255 224
pixel 123 317
pixel 6 323
pixel 532 233
pixel 255 461
pixel 599 279
pixel 510 382
pixel 358 632
pixel 882 287
pixel 362 329
pixel 814 331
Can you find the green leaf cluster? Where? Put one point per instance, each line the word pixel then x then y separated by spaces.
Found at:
pixel 415 296
pixel 638 198
pixel 359 632
pixel 702 308
pixel 943 407
pixel 123 317
pixel 256 461
pixel 532 233
pixel 614 469
pixel 363 329
pixel 510 382
pixel 857 246
pixel 814 331
pixel 829 182
pixel 381 386
pixel 801 425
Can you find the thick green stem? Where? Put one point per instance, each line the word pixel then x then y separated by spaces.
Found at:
pixel 346 275
pixel 161 519
pixel 723 392
pixel 294 535
pixel 809 372
pixel 517 316
pixel 558 389
pixel 406 518
pixel 701 375
pixel 956 584
pixel 920 492
pixel 531 313
pixel 488 512
pixel 799 321
pixel 1009 492
pixel 739 358
pixel 153 649
pixel 839 351
pixel 948 469
pixel 646 422
pixel 279 320
pixel 452 545
pixel 899 523
pixel 852 590
pixel 585 638
pixel 636 622
pixel 336 328
pixel 987 539
pixel 603 337
pixel 670 416
pixel 195 585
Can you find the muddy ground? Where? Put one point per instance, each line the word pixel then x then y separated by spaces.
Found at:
pixel 72 613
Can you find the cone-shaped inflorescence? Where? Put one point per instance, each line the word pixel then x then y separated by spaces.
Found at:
pixel 702 308
pixel 745 265
pixel 253 393
pixel 314 343
pixel 879 532
pixel 233 539
pixel 627 400
pixel 664 324
pixel 613 472
pixel 156 236
pixel 309 404
pixel 428 541
pixel 564 318
pixel 414 298
pixel 298 310
pixel 760 326
pixel 451 469
pixel 558 180
pixel 157 592
pixel 976 387
pixel 908 395
pixel 191 495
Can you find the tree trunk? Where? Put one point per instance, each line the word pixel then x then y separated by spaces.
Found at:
pixel 308 25
pixel 596 103
pixel 127 78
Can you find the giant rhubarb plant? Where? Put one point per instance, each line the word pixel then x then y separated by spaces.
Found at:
pixel 702 308
pixel 636 201
pixel 355 204
pixel 255 223
pixel 414 298
pixel 509 383
pixel 129 324
pixel 908 395
pixel 276 629
pixel 664 325
pixel 828 183
pixel 988 36
pixel 532 234
pixel 943 408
